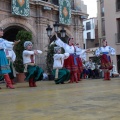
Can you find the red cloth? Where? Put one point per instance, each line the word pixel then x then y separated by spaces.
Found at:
pixel 69 64
pixel 106 62
pixel 80 65
pixel 32 59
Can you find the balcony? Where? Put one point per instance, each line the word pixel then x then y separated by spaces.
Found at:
pixel 117 37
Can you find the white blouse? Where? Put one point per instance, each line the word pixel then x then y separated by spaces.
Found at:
pixel 59 60
pixel 4 43
pixel 27 54
pixel 10 54
pixel 67 48
pixel 105 50
pixel 81 53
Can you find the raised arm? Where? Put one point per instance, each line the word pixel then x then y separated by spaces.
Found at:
pixel 59 42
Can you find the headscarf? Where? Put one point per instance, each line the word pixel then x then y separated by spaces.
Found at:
pixel 56 49
pixel 26 43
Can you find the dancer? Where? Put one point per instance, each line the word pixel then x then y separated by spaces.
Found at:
pixel 70 63
pixel 11 56
pixel 61 74
pixel 33 72
pixel 105 53
pixel 81 56
pixel 4 66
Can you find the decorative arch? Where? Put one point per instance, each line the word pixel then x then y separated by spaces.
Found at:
pixel 8 22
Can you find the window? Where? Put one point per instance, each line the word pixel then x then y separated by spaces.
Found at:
pixel 88 26
pixel 117 35
pixel 102 8
pixel 56 2
pixel 117 5
pixel 72 4
pixel 45 0
pixel 88 35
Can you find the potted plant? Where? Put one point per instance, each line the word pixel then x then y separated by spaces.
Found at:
pixel 19 67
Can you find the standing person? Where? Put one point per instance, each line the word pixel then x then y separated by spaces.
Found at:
pixel 71 62
pixel 33 72
pixel 81 56
pixel 11 56
pixel 104 53
pixel 61 74
pixel 4 66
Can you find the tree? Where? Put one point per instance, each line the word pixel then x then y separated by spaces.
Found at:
pixel 22 36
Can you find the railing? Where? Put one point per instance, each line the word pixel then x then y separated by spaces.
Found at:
pixel 117 37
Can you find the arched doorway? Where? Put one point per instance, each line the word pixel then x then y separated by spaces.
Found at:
pixel 11 32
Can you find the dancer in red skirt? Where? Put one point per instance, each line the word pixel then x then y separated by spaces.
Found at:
pixel 105 53
pixel 71 62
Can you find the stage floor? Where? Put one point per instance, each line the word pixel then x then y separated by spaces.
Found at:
pixel 91 99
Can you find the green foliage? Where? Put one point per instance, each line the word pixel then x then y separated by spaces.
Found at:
pixel 49 58
pixel 22 36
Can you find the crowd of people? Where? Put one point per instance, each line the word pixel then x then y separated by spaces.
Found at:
pixel 70 66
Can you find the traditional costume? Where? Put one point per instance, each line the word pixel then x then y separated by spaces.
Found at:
pixel 106 64
pixel 33 72
pixel 4 66
pixel 10 54
pixel 71 62
pixel 61 74
pixel 81 56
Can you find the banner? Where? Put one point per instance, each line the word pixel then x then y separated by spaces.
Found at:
pixel 65 12
pixel 20 7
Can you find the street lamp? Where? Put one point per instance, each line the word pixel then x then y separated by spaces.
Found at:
pixel 56 29
pixel 49 31
pixel 63 32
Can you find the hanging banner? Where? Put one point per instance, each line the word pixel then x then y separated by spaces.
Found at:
pixel 65 12
pixel 20 7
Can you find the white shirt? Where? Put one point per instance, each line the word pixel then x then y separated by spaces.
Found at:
pixel 67 48
pixel 110 50
pixel 59 60
pixel 4 43
pixel 10 54
pixel 27 54
pixel 81 53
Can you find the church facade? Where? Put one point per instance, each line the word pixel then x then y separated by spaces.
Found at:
pixel 42 13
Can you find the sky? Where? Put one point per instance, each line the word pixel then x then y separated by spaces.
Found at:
pixel 91 7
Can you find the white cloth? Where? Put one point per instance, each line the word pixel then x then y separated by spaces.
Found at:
pixel 67 48
pixel 10 54
pixel 26 56
pixel 88 65
pixel 4 43
pixel 59 60
pixel 110 50
pixel 81 53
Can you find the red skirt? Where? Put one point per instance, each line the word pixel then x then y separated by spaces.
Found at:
pixel 80 65
pixel 70 64
pixel 106 62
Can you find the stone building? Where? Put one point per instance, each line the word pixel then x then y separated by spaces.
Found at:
pixel 109 26
pixel 37 23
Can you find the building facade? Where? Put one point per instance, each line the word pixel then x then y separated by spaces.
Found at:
pixel 90 34
pixel 109 25
pixel 37 23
